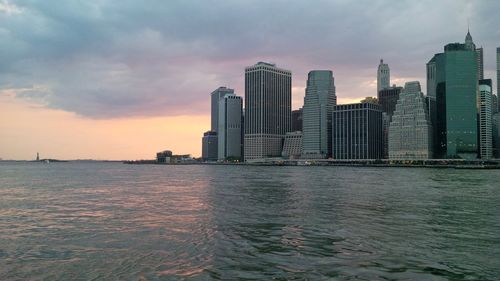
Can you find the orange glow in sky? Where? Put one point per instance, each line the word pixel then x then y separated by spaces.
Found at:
pixel 26 129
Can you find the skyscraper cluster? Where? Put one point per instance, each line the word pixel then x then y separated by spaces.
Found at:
pixel 458 118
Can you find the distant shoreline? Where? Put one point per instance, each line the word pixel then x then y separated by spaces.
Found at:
pixel 440 164
pixel 436 164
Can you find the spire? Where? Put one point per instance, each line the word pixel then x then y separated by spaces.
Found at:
pixel 468 41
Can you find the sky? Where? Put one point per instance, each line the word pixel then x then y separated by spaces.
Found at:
pixel 125 79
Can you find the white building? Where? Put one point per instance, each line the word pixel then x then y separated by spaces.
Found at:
pixel 317 114
pixel 292 146
pixel 230 127
pixel 485 120
pixel 383 76
pixel 410 131
pixel 268 110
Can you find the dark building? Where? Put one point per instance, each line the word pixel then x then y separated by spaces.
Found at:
pixel 357 131
pixel 456 84
pixel 164 156
pixel 268 110
pixel 209 146
pixel 297 120
pixel 388 97
pixel 494 104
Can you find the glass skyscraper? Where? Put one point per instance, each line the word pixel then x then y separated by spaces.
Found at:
pixel 317 113
pixel 455 81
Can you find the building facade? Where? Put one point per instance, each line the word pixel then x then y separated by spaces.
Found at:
pixel 357 131
pixel 485 120
pixel 292 146
pixel 209 146
pixel 383 76
pixel 388 97
pixel 410 131
pixel 494 103
pixel 229 137
pixel 498 77
pixel 456 88
pixel 496 135
pixel 317 113
pixel 268 109
pixel 297 116
pixel 215 97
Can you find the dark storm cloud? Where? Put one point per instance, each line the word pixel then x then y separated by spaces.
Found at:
pixel 105 59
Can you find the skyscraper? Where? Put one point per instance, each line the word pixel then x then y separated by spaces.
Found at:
pixel 357 131
pixel 230 128
pixel 317 113
pixel 485 120
pixel 383 76
pixel 410 132
pixel 456 94
pixel 480 63
pixel 498 76
pixel 216 95
pixel 268 109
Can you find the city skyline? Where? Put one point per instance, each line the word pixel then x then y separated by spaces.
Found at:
pixel 49 106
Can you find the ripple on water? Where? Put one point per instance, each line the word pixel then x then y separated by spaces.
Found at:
pixel 77 221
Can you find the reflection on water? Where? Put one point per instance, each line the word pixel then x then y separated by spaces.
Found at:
pixel 77 221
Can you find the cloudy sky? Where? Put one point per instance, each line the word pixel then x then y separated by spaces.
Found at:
pixel 124 79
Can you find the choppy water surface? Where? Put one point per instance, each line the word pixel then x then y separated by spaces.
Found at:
pixel 109 221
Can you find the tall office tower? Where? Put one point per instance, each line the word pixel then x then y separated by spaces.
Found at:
pixel 209 146
pixel 292 146
pixel 357 131
pixel 317 113
pixel 456 99
pixel 215 97
pixel 480 63
pixel 485 120
pixel 297 116
pixel 496 135
pixel 229 136
pixel 383 76
pixel 268 109
pixel 410 132
pixel 498 77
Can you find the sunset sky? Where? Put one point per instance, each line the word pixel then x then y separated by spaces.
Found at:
pixel 125 79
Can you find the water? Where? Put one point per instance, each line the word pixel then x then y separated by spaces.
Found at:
pixel 109 221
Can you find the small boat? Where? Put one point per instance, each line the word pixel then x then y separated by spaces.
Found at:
pixel 46 161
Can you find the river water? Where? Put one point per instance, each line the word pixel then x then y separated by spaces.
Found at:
pixel 110 221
